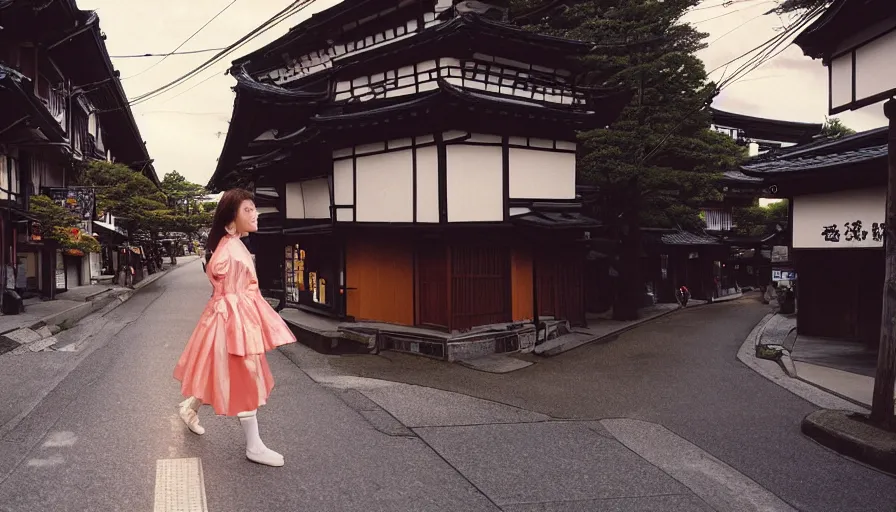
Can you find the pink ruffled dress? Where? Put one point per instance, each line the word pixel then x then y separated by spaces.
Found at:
pixel 224 363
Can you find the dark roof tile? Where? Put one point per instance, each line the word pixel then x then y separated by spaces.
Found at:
pixel 687 238
pixel 817 162
pixel 737 175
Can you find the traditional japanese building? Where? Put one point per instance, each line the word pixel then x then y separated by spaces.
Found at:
pixel 761 134
pixel 415 164
pixel 61 102
pixel 837 191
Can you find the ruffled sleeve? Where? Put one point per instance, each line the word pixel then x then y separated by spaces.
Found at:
pixel 221 266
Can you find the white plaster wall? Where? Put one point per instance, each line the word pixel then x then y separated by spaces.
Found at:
pixel 475 183
pixel 295 202
pixel 542 174
pixel 841 80
pixel 427 184
pixel 309 199
pixel 343 182
pixel 875 66
pixel 811 213
pixel 317 198
pixel 385 187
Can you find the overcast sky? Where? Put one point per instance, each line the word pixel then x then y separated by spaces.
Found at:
pixel 185 131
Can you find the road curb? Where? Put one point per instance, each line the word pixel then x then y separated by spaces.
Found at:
pixel 606 338
pixel 845 433
pixel 773 371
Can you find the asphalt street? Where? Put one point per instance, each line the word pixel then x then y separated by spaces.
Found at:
pixel 663 418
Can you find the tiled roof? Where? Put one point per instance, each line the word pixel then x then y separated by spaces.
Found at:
pixel 809 163
pixel 737 175
pixel 829 145
pixel 687 238
pixel 557 220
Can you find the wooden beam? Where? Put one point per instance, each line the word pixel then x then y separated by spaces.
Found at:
pixel 885 378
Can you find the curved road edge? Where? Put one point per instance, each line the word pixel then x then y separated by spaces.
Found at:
pixel 773 371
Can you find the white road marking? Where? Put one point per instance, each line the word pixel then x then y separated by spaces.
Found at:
pixel 179 486
pixel 717 483
pixel 60 440
pixel 54 460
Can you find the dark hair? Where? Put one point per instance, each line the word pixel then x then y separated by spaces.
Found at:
pixel 225 213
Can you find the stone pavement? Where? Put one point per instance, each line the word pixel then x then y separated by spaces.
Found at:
pixel 774 350
pixel 678 374
pixel 525 461
pixel 843 368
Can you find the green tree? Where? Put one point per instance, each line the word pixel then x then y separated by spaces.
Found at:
pixel 660 160
pixel 59 225
pixel 183 196
pixel 758 220
pixel 128 195
pixel 833 127
pixel 185 203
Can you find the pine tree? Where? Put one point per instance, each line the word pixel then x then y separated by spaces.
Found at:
pixel 659 160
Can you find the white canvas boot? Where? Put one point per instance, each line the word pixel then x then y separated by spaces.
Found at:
pixel 189 413
pixel 256 451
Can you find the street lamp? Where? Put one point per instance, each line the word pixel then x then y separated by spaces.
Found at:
pixel 856 40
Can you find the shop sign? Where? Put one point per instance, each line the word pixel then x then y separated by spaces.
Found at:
pixel 780 274
pixel 79 201
pixel 847 219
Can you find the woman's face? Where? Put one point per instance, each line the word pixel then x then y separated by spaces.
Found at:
pixel 246 218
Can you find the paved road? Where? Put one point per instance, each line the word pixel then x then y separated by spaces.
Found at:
pixel 681 372
pixel 653 421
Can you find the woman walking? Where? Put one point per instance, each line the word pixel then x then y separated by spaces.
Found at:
pixel 224 364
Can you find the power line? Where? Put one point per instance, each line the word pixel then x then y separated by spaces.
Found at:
pixel 185 52
pixel 735 29
pixel 207 23
pixel 191 88
pixel 765 54
pixel 731 12
pixel 772 48
pixel 725 4
pixel 267 25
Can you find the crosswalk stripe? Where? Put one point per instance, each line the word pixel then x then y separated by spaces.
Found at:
pixel 179 486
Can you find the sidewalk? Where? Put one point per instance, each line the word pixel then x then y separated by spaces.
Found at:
pixel 41 320
pixel 843 368
pixel 842 375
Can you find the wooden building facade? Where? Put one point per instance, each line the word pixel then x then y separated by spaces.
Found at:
pixel 418 167
pixel 61 102
pixel 837 190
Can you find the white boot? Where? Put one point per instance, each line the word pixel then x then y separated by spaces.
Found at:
pixel 189 413
pixel 256 451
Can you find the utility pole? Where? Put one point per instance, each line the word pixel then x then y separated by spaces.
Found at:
pixel 882 401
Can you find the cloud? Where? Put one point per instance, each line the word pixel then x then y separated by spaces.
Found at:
pixel 185 131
